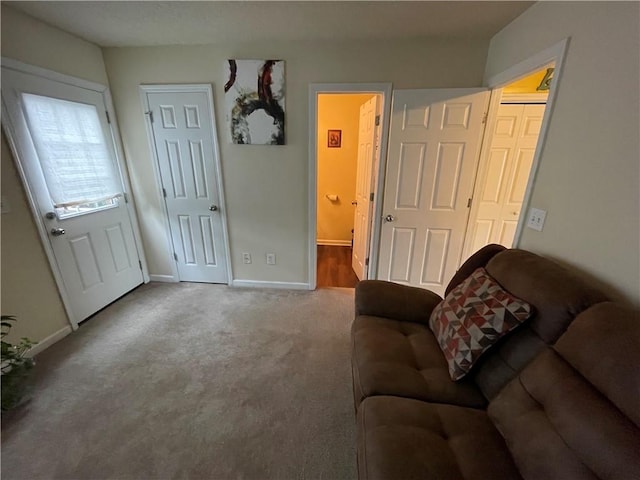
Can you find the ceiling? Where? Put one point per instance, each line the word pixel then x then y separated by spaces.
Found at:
pixel 148 23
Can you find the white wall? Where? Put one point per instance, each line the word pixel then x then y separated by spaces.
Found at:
pixel 588 179
pixel 28 288
pixel 266 186
pixel 31 41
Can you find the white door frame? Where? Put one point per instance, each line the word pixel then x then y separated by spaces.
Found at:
pixel 316 89
pixel 554 54
pixel 43 232
pixel 185 88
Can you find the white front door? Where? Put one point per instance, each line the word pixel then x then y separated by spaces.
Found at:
pixel 362 214
pixel 434 144
pixel 504 181
pixel 184 137
pixel 65 148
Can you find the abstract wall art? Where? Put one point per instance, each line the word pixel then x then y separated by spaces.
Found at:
pixel 254 101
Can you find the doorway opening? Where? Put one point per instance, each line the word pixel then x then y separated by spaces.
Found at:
pixel 348 141
pixel 348 126
pixel 511 138
pixel 551 57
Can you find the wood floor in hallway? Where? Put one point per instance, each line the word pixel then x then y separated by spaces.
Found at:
pixel 334 267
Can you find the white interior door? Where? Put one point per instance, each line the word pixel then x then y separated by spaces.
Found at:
pixel 184 137
pixel 66 151
pixel 434 145
pixel 362 214
pixel 504 181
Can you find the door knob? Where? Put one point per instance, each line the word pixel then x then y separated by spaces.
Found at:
pixel 50 215
pixel 56 232
pixel 389 218
pixel 213 208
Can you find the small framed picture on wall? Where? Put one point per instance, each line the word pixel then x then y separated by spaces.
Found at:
pixel 334 139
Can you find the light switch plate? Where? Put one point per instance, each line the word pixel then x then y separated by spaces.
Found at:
pixel 536 217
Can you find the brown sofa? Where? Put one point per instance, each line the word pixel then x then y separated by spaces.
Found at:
pixel 560 405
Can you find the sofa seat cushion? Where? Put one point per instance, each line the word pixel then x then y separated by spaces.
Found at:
pixel 406 438
pixel 403 359
pixel 573 411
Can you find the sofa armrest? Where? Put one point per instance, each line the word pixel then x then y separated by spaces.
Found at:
pixel 392 300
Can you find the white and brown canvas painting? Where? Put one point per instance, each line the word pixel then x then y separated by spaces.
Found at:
pixel 254 101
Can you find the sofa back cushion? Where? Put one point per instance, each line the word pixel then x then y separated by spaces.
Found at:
pixel 557 296
pixel 475 261
pixel 472 318
pixel 573 412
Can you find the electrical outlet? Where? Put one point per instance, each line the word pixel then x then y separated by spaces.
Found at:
pixel 271 258
pixel 4 205
pixel 246 257
pixel 536 217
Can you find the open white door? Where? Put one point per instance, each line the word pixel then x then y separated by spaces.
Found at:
pixel 434 146
pixel 65 149
pixel 362 214
pixel 184 139
pixel 501 189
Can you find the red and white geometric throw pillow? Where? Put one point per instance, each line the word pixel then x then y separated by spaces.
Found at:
pixel 472 318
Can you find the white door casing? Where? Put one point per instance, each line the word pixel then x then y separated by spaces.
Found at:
pixel 185 145
pixel 367 132
pixel 434 144
pixel 95 252
pixel 500 191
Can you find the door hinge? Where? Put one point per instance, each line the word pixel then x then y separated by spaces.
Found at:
pixel 108 117
pixel 377 120
pixel 469 203
pixel 484 117
pixel 140 263
pixel 371 197
pixel 150 113
pixel 126 197
pixel 175 256
pixel 164 193
pixel 366 262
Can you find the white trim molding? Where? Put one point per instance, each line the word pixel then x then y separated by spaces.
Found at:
pixel 163 278
pixel 265 284
pixel 51 75
pixel 333 243
pixel 42 345
pixel 524 97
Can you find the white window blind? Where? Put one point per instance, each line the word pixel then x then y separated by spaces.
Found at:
pixel 71 147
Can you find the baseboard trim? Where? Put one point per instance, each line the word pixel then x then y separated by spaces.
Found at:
pixel 163 278
pixel 42 345
pixel 334 243
pixel 264 284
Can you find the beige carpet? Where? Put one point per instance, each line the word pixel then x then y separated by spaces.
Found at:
pixel 194 381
